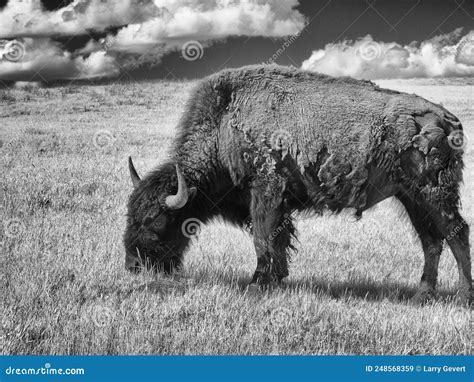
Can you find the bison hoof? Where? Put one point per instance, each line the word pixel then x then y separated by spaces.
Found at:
pixel 464 298
pixel 258 288
pixel 424 296
pixel 253 288
pixel 264 284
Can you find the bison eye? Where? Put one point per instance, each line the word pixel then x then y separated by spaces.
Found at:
pixel 155 223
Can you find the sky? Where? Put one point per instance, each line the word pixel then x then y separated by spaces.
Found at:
pixel 174 39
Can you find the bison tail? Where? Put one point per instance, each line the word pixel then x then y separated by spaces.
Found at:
pixel 433 165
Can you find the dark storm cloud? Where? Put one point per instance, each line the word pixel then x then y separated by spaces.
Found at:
pixel 145 38
pixel 151 29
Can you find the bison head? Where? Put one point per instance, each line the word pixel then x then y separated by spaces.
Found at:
pixel 154 237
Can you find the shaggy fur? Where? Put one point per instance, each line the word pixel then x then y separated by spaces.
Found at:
pixel 263 141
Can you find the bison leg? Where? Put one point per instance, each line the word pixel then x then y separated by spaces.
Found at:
pixel 433 227
pixel 456 232
pixel 431 241
pixel 272 229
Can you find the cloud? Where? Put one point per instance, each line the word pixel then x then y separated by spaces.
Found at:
pixel 44 59
pixel 149 30
pixel 28 18
pixel 449 55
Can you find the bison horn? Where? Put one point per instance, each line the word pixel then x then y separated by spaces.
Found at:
pixel 179 200
pixel 133 173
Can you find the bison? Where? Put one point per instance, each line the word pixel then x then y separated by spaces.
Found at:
pixel 258 143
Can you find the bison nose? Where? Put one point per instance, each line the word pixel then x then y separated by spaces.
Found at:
pixel 132 263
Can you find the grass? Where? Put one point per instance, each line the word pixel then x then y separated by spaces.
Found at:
pixel 64 289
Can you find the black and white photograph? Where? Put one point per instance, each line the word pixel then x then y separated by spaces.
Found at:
pixel 236 177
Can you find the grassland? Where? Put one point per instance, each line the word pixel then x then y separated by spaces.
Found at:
pixel 64 289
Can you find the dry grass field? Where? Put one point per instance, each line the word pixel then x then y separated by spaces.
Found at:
pixel 64 289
